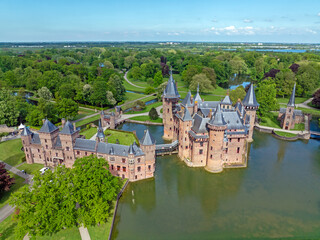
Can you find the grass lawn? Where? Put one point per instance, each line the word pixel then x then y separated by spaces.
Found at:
pixel 211 97
pixel 125 138
pixel 147 109
pixel 132 96
pixel 10 152
pixel 146 118
pixel 297 100
pixel 299 127
pixel 285 134
pixel 129 87
pixel 308 110
pixel 7 229
pixel 66 234
pixel 83 112
pixel 88 120
pixel 88 133
pixel 271 122
pixel 31 168
pixel 4 197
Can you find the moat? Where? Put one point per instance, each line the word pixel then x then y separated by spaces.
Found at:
pixel 276 196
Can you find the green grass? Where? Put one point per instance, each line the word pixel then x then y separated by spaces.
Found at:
pixel 271 122
pixel 211 97
pixel 311 111
pixel 129 87
pixel 88 120
pixel 147 109
pixel 299 127
pixel 88 133
pixel 10 152
pixel 285 134
pixel 4 197
pixel 125 138
pixel 82 113
pixel 132 96
pixel 31 168
pixel 66 234
pixel 297 100
pixel 146 118
pixel 7 229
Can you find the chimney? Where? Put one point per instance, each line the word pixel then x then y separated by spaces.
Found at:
pixel 210 113
pixel 195 109
pixel 63 122
pixel 74 126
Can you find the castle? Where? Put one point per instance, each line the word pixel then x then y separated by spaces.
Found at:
pixel 289 116
pixel 211 134
pixel 52 147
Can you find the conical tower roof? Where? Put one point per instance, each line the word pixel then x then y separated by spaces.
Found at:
pixel 100 133
pixel 187 115
pixel 197 97
pixel 131 149
pixel 226 100
pixel 291 102
pixel 68 128
pixel 147 139
pixel 217 119
pixel 250 99
pixel 171 90
pixel 48 127
pixel 187 100
pixel 26 132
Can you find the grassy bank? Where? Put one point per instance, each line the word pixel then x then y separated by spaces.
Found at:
pixel 31 168
pixel 146 118
pixel 285 134
pixel 88 120
pixel 10 152
pixel 88 133
pixel 125 138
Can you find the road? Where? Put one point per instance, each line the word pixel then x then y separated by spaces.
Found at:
pixel 305 104
pixel 125 78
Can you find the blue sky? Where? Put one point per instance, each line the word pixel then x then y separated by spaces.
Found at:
pixel 175 20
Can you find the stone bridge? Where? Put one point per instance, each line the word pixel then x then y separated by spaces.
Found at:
pixel 167 149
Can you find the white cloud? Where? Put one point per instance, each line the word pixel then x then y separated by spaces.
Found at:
pixel 311 31
pixel 247 20
pixel 233 30
pixel 173 34
pixel 319 14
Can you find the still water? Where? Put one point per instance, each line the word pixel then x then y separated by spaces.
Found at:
pixel 276 196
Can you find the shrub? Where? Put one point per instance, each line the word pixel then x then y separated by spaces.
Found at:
pixel 153 114
pixel 149 90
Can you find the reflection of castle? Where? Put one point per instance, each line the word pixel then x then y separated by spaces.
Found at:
pixel 288 117
pixel 211 134
pixel 51 147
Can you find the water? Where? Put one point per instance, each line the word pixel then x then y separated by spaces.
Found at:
pixel 275 50
pixel 147 103
pixel 314 126
pixel 237 80
pixel 276 196
pixel 134 92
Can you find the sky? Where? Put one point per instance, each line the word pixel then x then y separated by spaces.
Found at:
pixel 149 20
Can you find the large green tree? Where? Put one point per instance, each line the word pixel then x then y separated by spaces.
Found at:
pixel 238 93
pixel 203 81
pixel 9 111
pixel 266 96
pixel 67 108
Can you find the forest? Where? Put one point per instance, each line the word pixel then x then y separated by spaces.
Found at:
pixel 62 79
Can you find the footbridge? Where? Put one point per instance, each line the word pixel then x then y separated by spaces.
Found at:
pixel 167 149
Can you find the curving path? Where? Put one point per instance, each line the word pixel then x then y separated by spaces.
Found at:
pixel 305 104
pixel 125 78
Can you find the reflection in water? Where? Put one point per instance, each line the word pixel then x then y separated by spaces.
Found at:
pixel 256 202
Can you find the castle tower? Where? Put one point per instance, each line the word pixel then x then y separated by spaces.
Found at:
pixel 217 127
pixel 187 102
pixel 288 121
pixel 100 134
pixel 148 146
pixel 251 106
pixel 170 98
pixel 184 141
pixel 102 118
pixel 26 137
pixel 67 138
pixel 197 97
pixel 226 103
pixel 112 120
pixel 131 154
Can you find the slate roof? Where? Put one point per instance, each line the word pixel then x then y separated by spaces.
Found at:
pixel 250 98
pixel 291 102
pixel 85 144
pixel 226 100
pixel 186 102
pixel 100 133
pixel 197 97
pixel 68 128
pixel 233 120
pixel 48 127
pixel 117 149
pixel 58 142
pixel 26 132
pixel 187 115
pixel 205 107
pixel 217 119
pixel 199 124
pixel 171 89
pixel 147 139
pixel 36 138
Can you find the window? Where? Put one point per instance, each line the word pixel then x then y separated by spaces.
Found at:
pixel 38 150
pixel 139 169
pixel 211 156
pixel 85 153
pixel 45 140
pixel 118 168
pixel 78 152
pixel 200 151
pixel 168 110
pixel 122 176
pixel 111 167
pixel 238 150
pixel 230 139
pixel 135 177
pixel 186 147
pixel 23 141
pixel 27 155
pixel 139 160
pixel 238 139
pixel 211 148
pixel 67 148
pixel 123 160
pixel 149 167
pixel 124 169
pixel 201 144
pixel 226 150
pixel 111 158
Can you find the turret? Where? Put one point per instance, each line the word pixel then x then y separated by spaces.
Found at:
pixel 26 138
pixel 67 139
pixel 251 106
pixel 288 121
pixel 148 146
pixel 112 120
pixel 100 134
pixel 170 98
pixel 217 127
pixel 197 97
pixel 184 141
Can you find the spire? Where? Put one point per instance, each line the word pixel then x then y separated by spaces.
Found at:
pixel 48 127
pixel 171 90
pixel 217 119
pixel 147 139
pixel 68 128
pixel 187 100
pixel 26 132
pixel 131 150
pixel 187 115
pixel 197 97
pixel 100 134
pixel 291 102
pixel 198 88
pixel 226 100
pixel 250 99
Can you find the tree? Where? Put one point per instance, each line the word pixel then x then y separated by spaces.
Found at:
pixel 203 81
pixel 266 96
pixel 9 112
pixel 238 65
pixel 238 93
pixel 316 99
pixel 189 73
pixel 5 180
pixel 308 78
pixel 135 73
pixel 67 108
pixel 284 80
pixel 35 116
pixel 128 61
pixel 116 87
pixel 110 98
pixel 158 79
pixel 140 105
pixel 211 75
pixel 66 90
pixel 98 96
pixel 44 93
pixel 153 114
pixel 79 195
pixel 160 90
pixel 108 65
pixel 148 90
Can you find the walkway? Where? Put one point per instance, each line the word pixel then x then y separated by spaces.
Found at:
pixel 305 104
pixel 84 233
pixel 282 130
pixel 125 78
pixel 127 116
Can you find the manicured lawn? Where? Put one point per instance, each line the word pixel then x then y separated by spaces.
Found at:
pixel 125 138
pixel 4 197
pixel 129 87
pixel 83 112
pixel 271 122
pixel 147 109
pixel 88 133
pixel 132 96
pixel 211 97
pixel 31 168
pixel 10 152
pixel 308 110
pixel 146 118
pixel 299 127
pixel 297 100
pixel 7 229
pixel 66 234
pixel 285 134
pixel 88 120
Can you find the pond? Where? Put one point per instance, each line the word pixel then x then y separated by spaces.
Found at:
pixel 237 80
pixel 276 196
